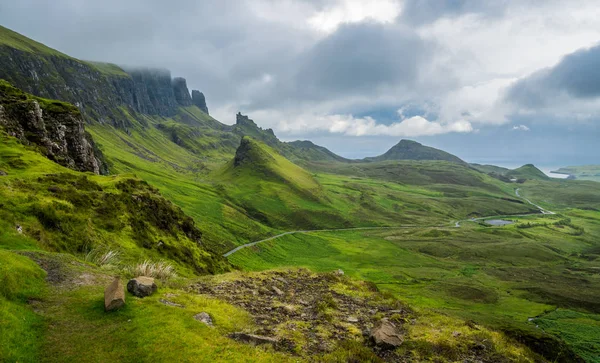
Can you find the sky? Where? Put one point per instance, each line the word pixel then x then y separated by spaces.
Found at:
pixel 505 82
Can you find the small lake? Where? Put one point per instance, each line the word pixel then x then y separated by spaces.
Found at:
pixel 498 222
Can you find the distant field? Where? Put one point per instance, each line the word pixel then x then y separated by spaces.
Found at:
pixel 583 172
pixel 501 276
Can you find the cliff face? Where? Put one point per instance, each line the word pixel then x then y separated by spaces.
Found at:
pixel 98 90
pixel 199 101
pixel 55 127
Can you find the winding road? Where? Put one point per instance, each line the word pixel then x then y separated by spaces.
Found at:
pixel 457 225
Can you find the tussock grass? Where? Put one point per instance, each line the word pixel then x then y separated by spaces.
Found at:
pixel 103 256
pixel 161 270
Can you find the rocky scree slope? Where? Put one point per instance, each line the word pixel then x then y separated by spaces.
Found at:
pixel 56 128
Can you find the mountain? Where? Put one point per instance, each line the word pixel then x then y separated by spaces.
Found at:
pixel 255 158
pixel 307 150
pixel 412 150
pixel 527 171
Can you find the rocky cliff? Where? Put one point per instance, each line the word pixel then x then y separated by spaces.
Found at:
pixel 56 128
pixel 99 90
pixel 199 101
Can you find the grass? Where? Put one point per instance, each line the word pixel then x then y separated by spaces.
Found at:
pixel 21 329
pixel 65 211
pixel 497 276
pixel 17 41
pixel 161 270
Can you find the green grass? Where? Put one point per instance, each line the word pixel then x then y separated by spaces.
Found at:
pixel 21 329
pixel 15 40
pixel 528 172
pixel 498 276
pixel 580 330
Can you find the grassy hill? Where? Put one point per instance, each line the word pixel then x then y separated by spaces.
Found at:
pixel 528 171
pixel 412 150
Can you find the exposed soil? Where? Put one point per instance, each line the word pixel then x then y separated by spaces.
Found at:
pixel 310 313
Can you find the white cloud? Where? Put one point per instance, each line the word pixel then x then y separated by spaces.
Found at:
pixel 367 126
pixel 520 128
pixel 353 11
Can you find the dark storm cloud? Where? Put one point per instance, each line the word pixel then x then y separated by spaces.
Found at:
pixel 219 46
pixel 576 76
pixel 362 57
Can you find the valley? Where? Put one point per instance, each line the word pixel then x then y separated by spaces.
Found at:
pixel 106 171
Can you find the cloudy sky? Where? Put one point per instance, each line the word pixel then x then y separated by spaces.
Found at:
pixel 493 81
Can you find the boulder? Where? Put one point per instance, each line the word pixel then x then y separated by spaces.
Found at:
pixel 386 335
pixel 142 286
pixel 204 318
pixel 114 295
pixel 253 339
pixel 3 173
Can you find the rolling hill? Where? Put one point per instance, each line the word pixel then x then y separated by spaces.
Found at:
pixel 412 150
pixel 528 171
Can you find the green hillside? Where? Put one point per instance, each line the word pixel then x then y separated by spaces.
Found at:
pixel 412 150
pixel 528 171
pixel 408 229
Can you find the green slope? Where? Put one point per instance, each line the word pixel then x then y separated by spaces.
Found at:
pixel 412 150
pixel 15 40
pixel 528 171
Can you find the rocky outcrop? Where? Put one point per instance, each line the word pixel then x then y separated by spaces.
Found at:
pixel 142 286
pixel 182 94
pixel 385 335
pixel 199 100
pixel 204 317
pixel 114 295
pixel 243 120
pixel 56 128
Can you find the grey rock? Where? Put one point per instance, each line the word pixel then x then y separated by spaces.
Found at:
pixel 182 94
pixel 114 295
pixel 3 173
pixel 199 100
pixel 204 317
pixel 385 335
pixel 253 339
pixel 58 129
pixel 277 291
pixel 142 286
pixel 338 272
pixel 352 319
